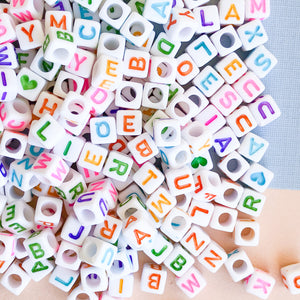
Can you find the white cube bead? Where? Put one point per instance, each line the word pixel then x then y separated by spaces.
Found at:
pixel 225 141
pixel 265 110
pixel 79 291
pixel 93 279
pixel 163 69
pixel 177 156
pixel 103 130
pixel 92 157
pixel 261 61
pixel 136 29
pixel 58 19
pixel 290 275
pixel 8 25
pixel 142 148
pixel 137 230
pixel 30 34
pixel 249 87
pixel 252 35
pixel 164 46
pixel 241 121
pixel 159 248
pixel 179 261
pixel 97 253
pixel 231 12
pixel 223 218
pixel 148 177
pixel 13 144
pixel 226 40
pixel 255 9
pixel 238 265
pixel 233 165
pixel 246 232
pixel 117 166
pixel 63 278
pixel 180 181
pixel 257 177
pixel 5 264
pixel 195 240
pixel 7 246
pixel 197 97
pixel 200 212
pixel 208 19
pixel 253 147
pixel 130 205
pixel 111 44
pixel 153 279
pixel 187 69
pixel 181 24
pixel 29 84
pixel 231 193
pixel 121 287
pixel 155 95
pixel 136 63
pixel 59 46
pixel 191 283
pixel 15 279
pixel 129 122
pixel 48 211
pixel 8 90
pixel 166 132
pixel 41 244
pixel 109 230
pixel 213 257
pixel 207 185
pixel 251 202
pixel 129 95
pixel 121 265
pixel 14 193
pixel 231 68
pixel 259 284
pixel 26 11
pixel 37 270
pixel 9 59
pixel 176 224
pixel 156 11
pixel 68 256
pixel 148 126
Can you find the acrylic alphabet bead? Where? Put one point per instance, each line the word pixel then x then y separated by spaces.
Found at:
pixel 131 204
pixel 180 181
pixel 207 18
pixel 223 218
pixel 231 12
pixel 121 265
pixel 265 110
pixel 129 95
pixel 41 244
pixel 226 40
pixel 179 261
pixel 156 11
pixel 257 177
pixel 246 232
pixel 164 46
pixel 136 63
pixel 121 287
pixel 7 26
pixel 186 69
pixel 15 279
pixel 181 24
pixel 7 246
pixel 13 144
pixel 195 240
pixel 136 29
pixel 153 279
pixel 8 90
pixel 58 19
pixel 257 9
pixel 93 279
pixel 238 265
pixel 48 211
pixel 231 68
pixel 253 147
pixel 166 132
pixel 67 256
pixel 129 122
pixel 37 270
pixel 26 10
pixel 200 212
pixel 249 87
pixel 241 121
pixel 251 202
pixel 162 69
pixel 191 283
pixel 259 284
pixel 63 278
pixel 212 257
pixel 73 231
pixel 59 46
pixel 261 61
pixel 290 276
pixel 197 97
pixel 225 141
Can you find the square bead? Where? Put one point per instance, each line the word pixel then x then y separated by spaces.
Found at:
pixel 226 40
pixel 116 288
pixel 246 232
pixel 257 177
pixel 103 130
pixel 164 46
pixel 129 95
pixel 13 144
pixel 231 12
pixel 186 69
pixel 197 97
pixel 63 278
pixel 255 9
pixel 200 212
pixel 249 87
pixel 8 90
pixel 208 19
pixel 7 245
pixel 68 256
pixel 223 218
pixel 238 265
pixel 136 63
pixel 166 132
pixel 93 279
pixel 213 257
pixel 290 275
pixel 9 58
pixel 163 69
pixel 155 95
pixel 37 270
pixel 129 122
pixel 156 11
pixel 261 61
pixel 225 141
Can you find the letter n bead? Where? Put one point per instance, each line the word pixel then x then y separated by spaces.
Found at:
pixel 291 278
pixel 191 283
pixel 259 284
pixel 154 279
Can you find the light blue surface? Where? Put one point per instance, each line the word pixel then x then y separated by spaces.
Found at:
pixel 283 84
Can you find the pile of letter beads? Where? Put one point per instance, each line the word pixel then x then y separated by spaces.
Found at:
pixel 126 127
